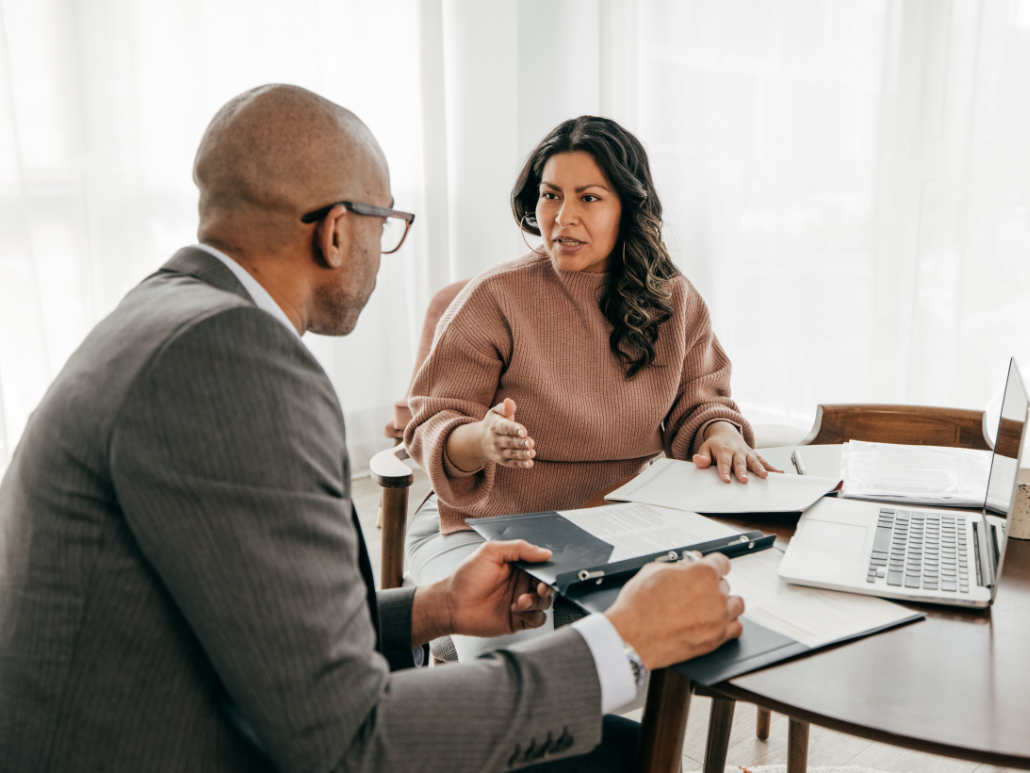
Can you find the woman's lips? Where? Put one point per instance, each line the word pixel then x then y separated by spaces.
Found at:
pixel 569 245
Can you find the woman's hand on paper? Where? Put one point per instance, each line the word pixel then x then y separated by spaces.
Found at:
pixel 670 613
pixel 497 438
pixel 725 446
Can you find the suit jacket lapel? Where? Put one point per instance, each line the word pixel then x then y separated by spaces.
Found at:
pixel 366 575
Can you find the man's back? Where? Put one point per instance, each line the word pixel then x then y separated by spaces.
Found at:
pixel 85 620
pixel 182 574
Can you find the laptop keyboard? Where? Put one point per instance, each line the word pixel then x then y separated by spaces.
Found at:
pixel 920 550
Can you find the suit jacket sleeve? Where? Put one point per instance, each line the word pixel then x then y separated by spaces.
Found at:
pixel 395 628
pixel 229 462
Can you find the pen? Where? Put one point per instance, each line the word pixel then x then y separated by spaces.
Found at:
pixel 795 457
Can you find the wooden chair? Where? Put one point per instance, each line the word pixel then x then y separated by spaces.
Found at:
pixel 904 424
pixel 437 306
pixel 395 426
pixel 907 424
pixel 393 470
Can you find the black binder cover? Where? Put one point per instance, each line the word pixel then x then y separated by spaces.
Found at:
pixel 571 547
pixel 575 549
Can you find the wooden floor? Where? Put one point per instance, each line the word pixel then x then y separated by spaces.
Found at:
pixel 825 747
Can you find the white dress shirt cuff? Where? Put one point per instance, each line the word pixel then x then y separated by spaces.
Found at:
pixel 613 669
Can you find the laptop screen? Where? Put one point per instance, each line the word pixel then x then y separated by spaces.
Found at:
pixel 1001 485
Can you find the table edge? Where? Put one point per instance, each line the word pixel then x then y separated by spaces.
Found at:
pixel 730 690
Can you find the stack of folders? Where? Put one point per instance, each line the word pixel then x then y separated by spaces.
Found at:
pixel 595 551
pixel 932 476
pixel 923 475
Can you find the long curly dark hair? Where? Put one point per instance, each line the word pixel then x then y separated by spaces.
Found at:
pixel 635 298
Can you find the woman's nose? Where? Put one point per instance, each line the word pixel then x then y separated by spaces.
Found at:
pixel 568 214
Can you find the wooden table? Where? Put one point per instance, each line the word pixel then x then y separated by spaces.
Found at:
pixel 956 684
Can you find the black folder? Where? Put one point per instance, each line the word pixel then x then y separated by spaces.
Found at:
pixel 580 571
pixel 579 567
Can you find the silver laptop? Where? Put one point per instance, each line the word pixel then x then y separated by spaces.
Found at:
pixel 932 555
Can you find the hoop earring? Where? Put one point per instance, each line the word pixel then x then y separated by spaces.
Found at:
pixel 522 231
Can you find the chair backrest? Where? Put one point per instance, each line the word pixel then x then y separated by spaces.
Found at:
pixel 437 306
pixel 906 424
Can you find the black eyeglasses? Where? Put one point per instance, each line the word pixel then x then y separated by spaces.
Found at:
pixel 395 225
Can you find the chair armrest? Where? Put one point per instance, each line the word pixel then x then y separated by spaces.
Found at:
pixel 392 468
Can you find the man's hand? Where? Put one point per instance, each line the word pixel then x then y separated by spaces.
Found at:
pixel 670 613
pixel 485 596
pixel 725 446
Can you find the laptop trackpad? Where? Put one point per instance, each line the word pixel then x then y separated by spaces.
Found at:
pixel 832 548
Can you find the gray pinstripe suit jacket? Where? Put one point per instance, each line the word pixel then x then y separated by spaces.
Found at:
pixel 181 584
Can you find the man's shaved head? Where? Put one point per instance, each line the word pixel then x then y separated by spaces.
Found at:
pixel 273 153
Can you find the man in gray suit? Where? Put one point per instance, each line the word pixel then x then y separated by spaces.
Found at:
pixel 183 583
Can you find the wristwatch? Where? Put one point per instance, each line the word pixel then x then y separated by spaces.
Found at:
pixel 636 664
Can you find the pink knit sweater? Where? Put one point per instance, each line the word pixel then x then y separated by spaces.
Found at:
pixel 531 332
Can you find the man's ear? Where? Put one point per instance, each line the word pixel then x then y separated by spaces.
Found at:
pixel 333 236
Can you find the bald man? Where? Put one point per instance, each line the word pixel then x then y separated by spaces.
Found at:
pixel 183 582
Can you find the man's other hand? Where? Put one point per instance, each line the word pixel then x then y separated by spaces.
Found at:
pixel 670 613
pixel 485 596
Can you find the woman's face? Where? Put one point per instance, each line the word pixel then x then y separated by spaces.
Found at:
pixel 578 212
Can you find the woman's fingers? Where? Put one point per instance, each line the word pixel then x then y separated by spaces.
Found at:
pixel 766 466
pixel 754 463
pixel 521 444
pixel 508 443
pixel 725 465
pixel 740 467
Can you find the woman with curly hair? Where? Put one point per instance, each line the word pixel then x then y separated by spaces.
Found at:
pixel 597 343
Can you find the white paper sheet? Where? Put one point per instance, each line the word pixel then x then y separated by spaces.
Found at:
pixel 681 485
pixel 637 530
pixel 811 616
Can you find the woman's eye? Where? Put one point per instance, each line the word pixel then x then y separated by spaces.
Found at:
pixel 590 198
pixel 548 196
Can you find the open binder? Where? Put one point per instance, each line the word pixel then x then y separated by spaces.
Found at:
pixel 781 621
pixel 588 563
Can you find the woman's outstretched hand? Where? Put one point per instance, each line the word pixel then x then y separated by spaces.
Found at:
pixel 497 438
pixel 726 448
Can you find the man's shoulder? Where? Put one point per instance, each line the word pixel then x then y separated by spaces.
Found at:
pixel 163 308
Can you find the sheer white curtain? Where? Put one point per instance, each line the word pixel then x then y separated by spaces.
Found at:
pixel 102 105
pixel 848 184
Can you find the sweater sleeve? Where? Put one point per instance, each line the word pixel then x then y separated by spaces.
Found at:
pixel 457 385
pixel 703 396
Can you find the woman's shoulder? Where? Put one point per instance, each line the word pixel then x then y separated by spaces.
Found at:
pixel 504 279
pixel 684 294
pixel 485 299
pixel 527 267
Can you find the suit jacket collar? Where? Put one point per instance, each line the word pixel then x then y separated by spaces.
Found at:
pixel 207 268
